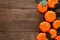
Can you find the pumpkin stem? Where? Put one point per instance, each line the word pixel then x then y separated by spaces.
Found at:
pixel 58 31
pixel 48 35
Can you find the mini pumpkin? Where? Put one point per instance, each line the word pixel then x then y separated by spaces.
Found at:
pixel 58 37
pixel 53 33
pixel 52 3
pixel 56 24
pixel 41 36
pixel 50 16
pixel 57 7
pixel 45 26
pixel 42 8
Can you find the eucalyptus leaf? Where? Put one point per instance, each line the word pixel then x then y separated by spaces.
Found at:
pixel 44 2
pixel 38 1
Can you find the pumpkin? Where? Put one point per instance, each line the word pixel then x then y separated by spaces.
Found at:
pixel 52 3
pixel 53 33
pixel 50 16
pixel 58 37
pixel 42 8
pixel 41 36
pixel 44 26
pixel 56 24
pixel 57 7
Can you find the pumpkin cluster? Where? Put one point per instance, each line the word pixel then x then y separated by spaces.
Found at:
pixel 50 27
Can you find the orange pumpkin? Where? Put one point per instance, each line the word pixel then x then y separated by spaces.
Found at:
pixel 53 33
pixel 41 36
pixel 42 8
pixel 58 37
pixel 50 16
pixel 45 26
pixel 56 24
pixel 52 3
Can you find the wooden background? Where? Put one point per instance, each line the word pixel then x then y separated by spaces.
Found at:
pixel 19 20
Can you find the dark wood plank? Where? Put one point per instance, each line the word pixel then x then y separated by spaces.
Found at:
pixel 17 4
pixel 18 35
pixel 19 19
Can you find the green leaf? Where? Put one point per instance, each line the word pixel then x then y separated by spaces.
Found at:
pixel 44 2
pixel 38 1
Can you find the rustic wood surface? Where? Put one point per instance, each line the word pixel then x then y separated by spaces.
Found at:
pixel 19 20
pixel 18 4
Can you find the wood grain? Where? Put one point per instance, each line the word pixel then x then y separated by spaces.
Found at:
pixel 18 35
pixel 19 19
pixel 18 4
